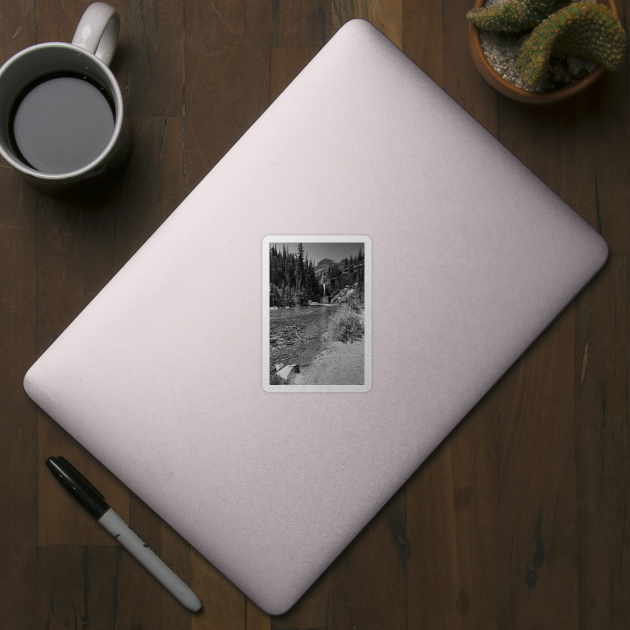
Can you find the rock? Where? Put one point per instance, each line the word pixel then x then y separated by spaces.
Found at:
pixel 288 370
pixel 279 366
pixel 343 295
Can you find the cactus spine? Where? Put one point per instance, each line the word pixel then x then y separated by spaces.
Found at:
pixel 513 16
pixel 583 29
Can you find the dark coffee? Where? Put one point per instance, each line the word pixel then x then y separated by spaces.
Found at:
pixel 61 123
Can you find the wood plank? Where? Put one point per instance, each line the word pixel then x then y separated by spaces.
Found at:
pixel 152 185
pixel 452 526
pixel 74 248
pixel 224 606
pixel 300 22
pixel 76 587
pixel 171 158
pixel 558 147
pixel 143 601
pixel 575 150
pixel 537 537
pixel 154 57
pixel 313 609
pixel 285 64
pixel 369 577
pixel 18 421
pixel 566 148
pixel 226 78
pixel 608 127
pixel 18 415
pixel 255 618
pixel 603 469
pixel 55 23
pixel 386 15
pixel 461 78
pixel 423 36
pixel 61 520
pixel 17 28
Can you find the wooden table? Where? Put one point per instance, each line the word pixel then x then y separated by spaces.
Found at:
pixel 518 520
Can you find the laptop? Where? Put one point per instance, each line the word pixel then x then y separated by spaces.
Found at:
pixel 316 316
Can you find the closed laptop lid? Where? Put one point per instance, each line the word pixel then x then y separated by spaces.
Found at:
pixel 164 377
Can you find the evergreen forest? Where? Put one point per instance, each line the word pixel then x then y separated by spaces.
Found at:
pixel 295 280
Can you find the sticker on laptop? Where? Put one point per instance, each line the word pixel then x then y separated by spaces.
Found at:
pixel 317 313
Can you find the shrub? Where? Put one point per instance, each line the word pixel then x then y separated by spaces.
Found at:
pixel 346 325
pixel 355 302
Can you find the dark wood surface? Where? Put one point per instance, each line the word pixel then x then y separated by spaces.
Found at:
pixel 518 520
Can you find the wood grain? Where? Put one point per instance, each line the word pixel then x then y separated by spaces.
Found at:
pixel 461 79
pixel 154 57
pixel 18 416
pixel 61 521
pixel 602 380
pixel 452 515
pixel 609 133
pixel 147 603
pixel 76 587
pixel 386 15
pixel 422 36
pixel 517 520
pixel 369 577
pixel 573 149
pixel 57 22
pixel 537 510
pixel 313 610
pixel 224 606
pixel 151 187
pixel 300 22
pixel 285 64
pixel 226 78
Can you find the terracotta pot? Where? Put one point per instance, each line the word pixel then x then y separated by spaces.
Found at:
pixel 518 94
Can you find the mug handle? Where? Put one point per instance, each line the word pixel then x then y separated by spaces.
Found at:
pixel 98 30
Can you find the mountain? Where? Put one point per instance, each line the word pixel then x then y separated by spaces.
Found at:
pixel 339 277
pixel 322 264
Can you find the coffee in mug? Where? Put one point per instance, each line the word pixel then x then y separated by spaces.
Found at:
pixel 61 122
pixel 65 127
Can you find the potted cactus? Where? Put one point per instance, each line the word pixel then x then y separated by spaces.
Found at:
pixel 558 49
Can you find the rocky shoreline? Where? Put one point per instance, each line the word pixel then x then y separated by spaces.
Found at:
pixel 297 342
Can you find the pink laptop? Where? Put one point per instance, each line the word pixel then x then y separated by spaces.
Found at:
pixel 211 374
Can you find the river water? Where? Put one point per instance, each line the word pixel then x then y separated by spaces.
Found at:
pixel 296 333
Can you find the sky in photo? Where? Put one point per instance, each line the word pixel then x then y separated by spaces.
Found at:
pixel 319 251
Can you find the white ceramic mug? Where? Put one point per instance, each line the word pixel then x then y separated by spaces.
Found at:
pixel 88 57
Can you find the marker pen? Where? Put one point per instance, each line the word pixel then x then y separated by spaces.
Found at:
pixel 94 502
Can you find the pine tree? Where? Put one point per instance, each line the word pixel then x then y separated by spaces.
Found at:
pixel 299 272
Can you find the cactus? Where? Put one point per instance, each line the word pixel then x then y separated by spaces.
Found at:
pixel 513 16
pixel 584 29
